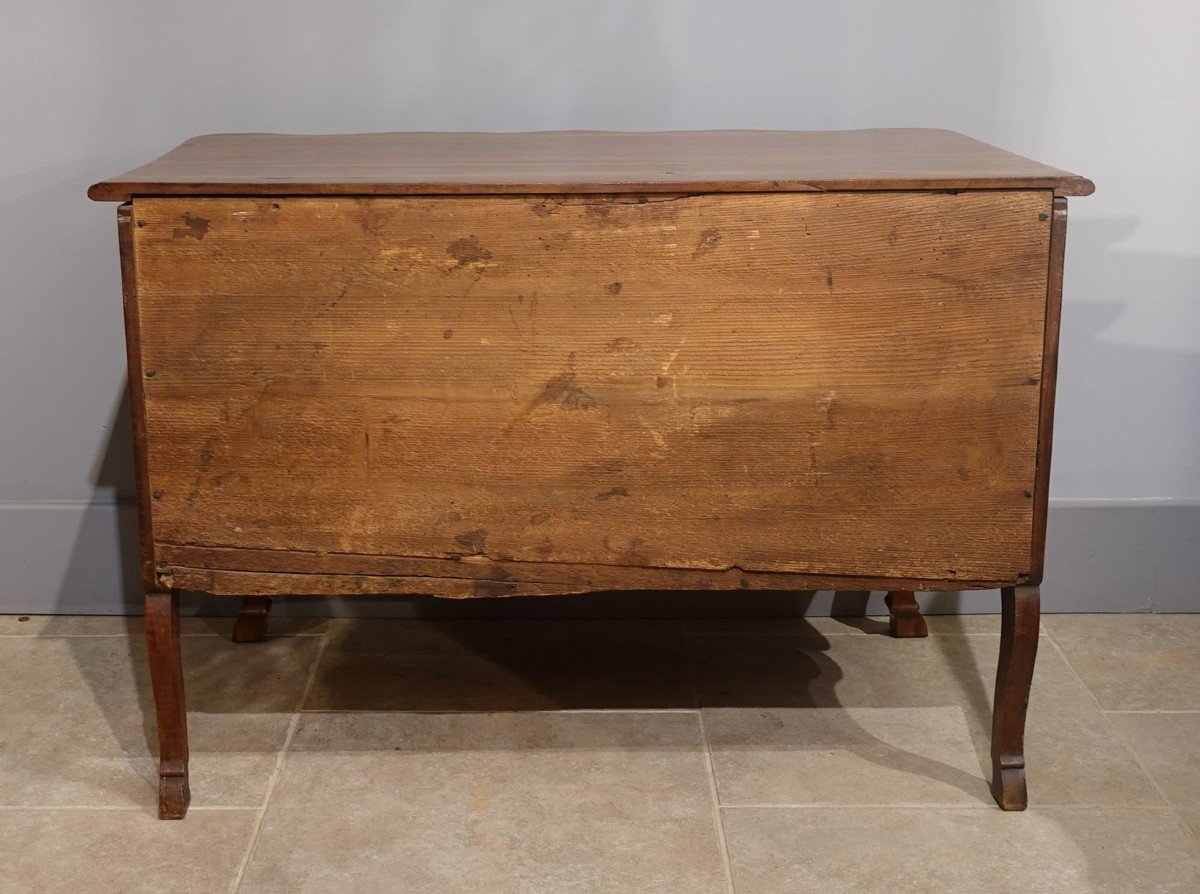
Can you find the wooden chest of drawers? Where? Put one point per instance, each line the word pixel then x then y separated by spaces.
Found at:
pixel 494 364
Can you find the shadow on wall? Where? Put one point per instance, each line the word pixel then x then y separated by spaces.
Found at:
pixel 1099 558
pixel 1127 415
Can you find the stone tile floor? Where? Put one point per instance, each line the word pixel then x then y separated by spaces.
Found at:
pixel 601 756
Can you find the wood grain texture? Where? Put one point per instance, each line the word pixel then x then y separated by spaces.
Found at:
pixel 380 574
pixel 1019 629
pixel 904 615
pixel 584 162
pixel 841 385
pixel 137 402
pixel 1054 283
pixel 166 674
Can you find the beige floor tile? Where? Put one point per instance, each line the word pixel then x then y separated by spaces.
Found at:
pixel 68 625
pixel 1134 662
pixel 740 670
pixel 275 626
pixel 79 727
pixel 1168 745
pixel 506 665
pixel 535 802
pixel 932 851
pixel 118 625
pixel 939 625
pixel 844 756
pixel 50 851
pixel 1074 755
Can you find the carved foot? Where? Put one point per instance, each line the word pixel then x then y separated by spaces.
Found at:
pixel 251 624
pixel 904 615
pixel 174 795
pixel 1021 611
pixel 1008 788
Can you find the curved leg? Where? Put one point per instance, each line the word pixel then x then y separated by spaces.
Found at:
pixel 251 624
pixel 1021 610
pixel 904 615
pixel 166 677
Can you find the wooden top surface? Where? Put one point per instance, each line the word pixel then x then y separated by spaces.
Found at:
pixel 584 162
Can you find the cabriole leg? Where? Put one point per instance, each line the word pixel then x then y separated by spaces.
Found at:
pixel 166 677
pixel 1021 607
pixel 251 624
pixel 904 615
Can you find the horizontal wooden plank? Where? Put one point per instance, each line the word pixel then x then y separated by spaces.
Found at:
pixel 583 162
pixel 541 576
pixel 851 392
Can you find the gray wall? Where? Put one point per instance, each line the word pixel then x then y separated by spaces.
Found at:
pixel 1109 90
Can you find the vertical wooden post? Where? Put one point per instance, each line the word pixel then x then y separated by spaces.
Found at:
pixel 904 615
pixel 166 677
pixel 251 624
pixel 1021 614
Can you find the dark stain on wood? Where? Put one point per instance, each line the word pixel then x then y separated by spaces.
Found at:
pixel 474 541
pixel 606 495
pixel 467 251
pixel 193 226
pixel 578 399
pixel 613 288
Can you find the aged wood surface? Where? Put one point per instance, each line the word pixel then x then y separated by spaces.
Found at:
pixel 584 161
pixel 1020 625
pixel 446 577
pixel 166 675
pixel 635 382
pixel 137 402
pixel 1041 490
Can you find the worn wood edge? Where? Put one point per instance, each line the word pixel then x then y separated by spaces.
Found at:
pixel 548 572
pixel 1045 439
pixel 120 191
pixel 219 582
pixel 1075 186
pixel 536 572
pixel 137 397
pixel 229 571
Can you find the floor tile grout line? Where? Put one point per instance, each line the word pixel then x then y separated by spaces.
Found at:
pixel 1119 737
pixel 122 808
pixel 506 711
pixel 706 753
pixel 1151 711
pixel 1175 811
pixel 280 761
pixel 134 633
pixel 819 634
pixel 1152 808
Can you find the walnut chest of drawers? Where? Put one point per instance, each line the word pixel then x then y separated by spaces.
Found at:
pixel 492 364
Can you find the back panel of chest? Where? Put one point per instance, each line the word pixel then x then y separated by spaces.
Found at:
pixel 840 384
